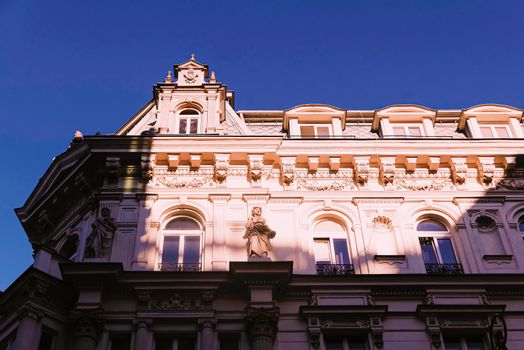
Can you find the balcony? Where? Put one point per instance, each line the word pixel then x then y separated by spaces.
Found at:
pixel 335 269
pixel 184 267
pixel 444 269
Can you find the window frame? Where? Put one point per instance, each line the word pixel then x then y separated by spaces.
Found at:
pixel 315 127
pixel 406 127
pixel 435 236
pixel 463 342
pixel 188 117
pixel 493 129
pixel 183 235
pixel 331 267
pixel 346 341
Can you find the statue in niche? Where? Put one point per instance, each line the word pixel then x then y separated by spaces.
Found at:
pixel 98 244
pixel 258 235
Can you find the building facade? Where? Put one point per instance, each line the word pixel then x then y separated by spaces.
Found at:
pixel 195 226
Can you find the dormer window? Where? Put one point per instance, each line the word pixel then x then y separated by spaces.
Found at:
pixel 404 121
pixel 491 122
pixel 314 121
pixel 188 121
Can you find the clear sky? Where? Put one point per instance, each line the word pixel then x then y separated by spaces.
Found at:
pixel 89 66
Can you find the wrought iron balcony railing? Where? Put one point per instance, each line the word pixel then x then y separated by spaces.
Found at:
pixel 335 269
pixel 444 269
pixel 185 267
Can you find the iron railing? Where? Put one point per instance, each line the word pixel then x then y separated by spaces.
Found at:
pixel 185 267
pixel 444 269
pixel 335 269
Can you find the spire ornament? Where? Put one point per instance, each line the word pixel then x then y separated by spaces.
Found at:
pixel 168 78
pixel 212 79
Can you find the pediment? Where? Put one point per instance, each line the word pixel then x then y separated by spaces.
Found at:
pixel 313 113
pixel 403 114
pixel 490 113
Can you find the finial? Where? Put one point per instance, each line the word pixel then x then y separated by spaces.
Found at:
pixel 192 57
pixel 168 78
pixel 78 138
pixel 212 79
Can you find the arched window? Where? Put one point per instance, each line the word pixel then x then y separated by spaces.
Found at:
pixel 331 249
pixel 521 224
pixel 70 248
pixel 437 248
pixel 181 245
pixel 188 121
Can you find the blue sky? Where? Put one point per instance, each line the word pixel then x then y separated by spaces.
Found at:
pixel 89 65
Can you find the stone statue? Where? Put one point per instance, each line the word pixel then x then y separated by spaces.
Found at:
pixel 258 234
pixel 98 244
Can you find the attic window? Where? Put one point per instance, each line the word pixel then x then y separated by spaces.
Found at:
pixel 307 130
pixel 188 121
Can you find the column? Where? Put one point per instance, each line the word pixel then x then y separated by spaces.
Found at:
pixel 86 333
pixel 261 324
pixel 29 328
pixel 219 260
pixel 143 335
pixel 207 329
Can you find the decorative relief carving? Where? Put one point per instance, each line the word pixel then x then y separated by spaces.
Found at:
pixel 288 170
pixel 382 224
pixel 190 76
pixel 256 168
pixel 325 180
pixel 387 171
pixel 221 167
pixel 176 302
pixel 362 170
pixel 459 169
pixel 509 185
pixel 112 169
pixel 182 178
pixel 147 164
pixel 486 171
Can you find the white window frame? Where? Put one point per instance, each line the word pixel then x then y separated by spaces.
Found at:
pixel 315 126
pixel 406 127
pixel 435 236
pixel 188 118
pixel 330 238
pixel 494 132
pixel 183 234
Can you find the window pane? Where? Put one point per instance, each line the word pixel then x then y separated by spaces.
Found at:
pixel 170 250
pixel 521 225
pixel 399 131
pixel 182 224
pixel 334 345
pixel 323 131
pixel 189 112
pixel 186 344
pixel 428 250
pixel 191 250
pixel 163 343
pixel 341 251
pixel 433 226
pixel 183 126
pixel 46 341
pixel 120 341
pixel 414 131
pixel 357 345
pixel 307 131
pixel 194 126
pixel 453 345
pixel 502 131
pixel 486 131
pixel 322 251
pixel 475 345
pixel 446 251
pixel 229 342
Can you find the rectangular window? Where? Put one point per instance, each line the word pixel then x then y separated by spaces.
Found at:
pixel 181 253
pixel 463 343
pixel 495 131
pixel 315 130
pixel 341 251
pixel 413 130
pixel 356 343
pixel 169 342
pixel 46 340
pixel 229 342
pixel 332 256
pixel 120 341
pixel 437 250
pixel 188 125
